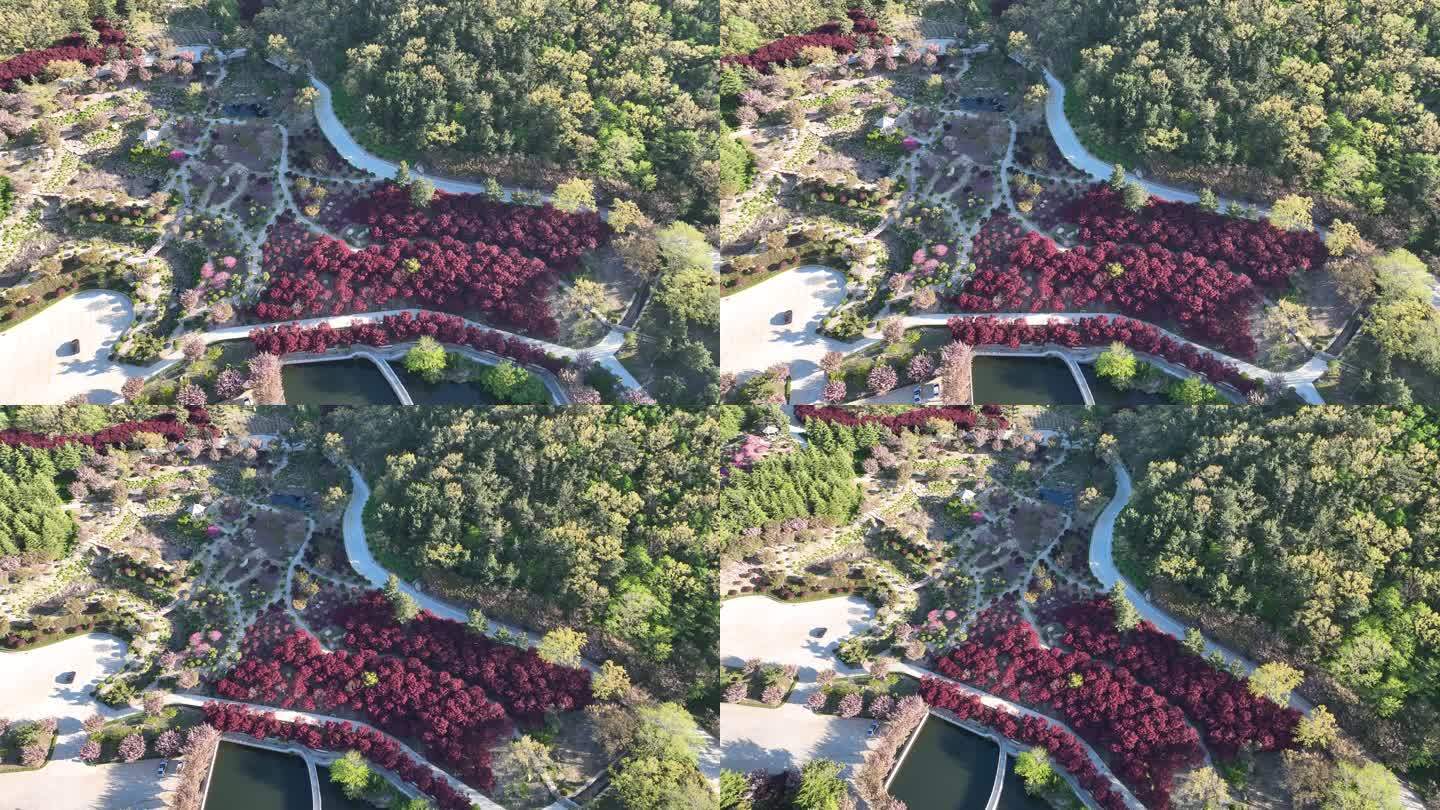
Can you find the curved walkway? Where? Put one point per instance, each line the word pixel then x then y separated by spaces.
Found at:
pixel 1102 565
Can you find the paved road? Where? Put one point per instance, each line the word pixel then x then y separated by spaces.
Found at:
pixel 30 692
pixel 779 632
pixel 752 737
pixel 753 339
pixel 37 370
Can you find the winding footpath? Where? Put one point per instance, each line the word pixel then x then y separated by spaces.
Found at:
pixel 1102 565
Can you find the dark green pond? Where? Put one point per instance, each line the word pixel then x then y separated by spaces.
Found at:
pixel 333 798
pixel 1006 380
pixel 947 768
pixel 442 393
pixel 1107 394
pixel 339 382
pixel 248 778
pixel 1012 797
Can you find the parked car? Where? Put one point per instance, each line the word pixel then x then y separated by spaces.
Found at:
pixel 874 727
pixel 787 317
pixel 818 632
pixel 66 677
pixel 160 771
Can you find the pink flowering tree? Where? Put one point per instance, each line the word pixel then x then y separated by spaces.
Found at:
pixel 881 379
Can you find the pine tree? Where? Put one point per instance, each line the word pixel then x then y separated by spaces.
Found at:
pixel 1127 618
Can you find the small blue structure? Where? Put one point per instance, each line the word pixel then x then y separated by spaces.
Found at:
pixel 1061 497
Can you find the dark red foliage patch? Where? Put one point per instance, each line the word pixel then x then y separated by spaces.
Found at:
pixel 465 253
pixel 28 65
pixel 963 416
pixel 522 681
pixel 1221 703
pixel 376 747
pixel 1145 736
pixel 430 681
pixel 785 49
pixel 1176 263
pixel 287 338
pixel 1099 330
pixel 1067 751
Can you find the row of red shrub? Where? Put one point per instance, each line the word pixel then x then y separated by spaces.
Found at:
pixel 376 747
pixel 1167 262
pixel 28 65
pixel 1028 730
pixel 1147 737
pixel 1099 330
pixel 1265 253
pixel 463 253
pixel 288 338
pixel 965 417
pixel 1221 703
pixel 432 679
pixel 167 425
pixel 457 723
pixel 523 682
pixel 786 49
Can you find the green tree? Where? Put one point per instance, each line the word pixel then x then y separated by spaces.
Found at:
pixel 404 605
pixel 426 359
pixel 561 646
pixel 691 296
pixel 476 621
pixel 1117 179
pixel 1192 391
pixel 1127 618
pixel 1202 789
pixel 32 519
pixel 532 757
pixel 820 786
pixel 1135 196
pixel 1292 213
pixel 1117 364
pixel 683 247
pixel 666 731
pixel 1033 766
pixel 1275 680
pixel 651 783
pixel 352 773
pixel 1318 730
pixel 422 191
pixel 734 791
pixel 509 382
pixel 1208 201
pixel 612 681
pixel 574 194
pixel 1363 787
pixel 1194 641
